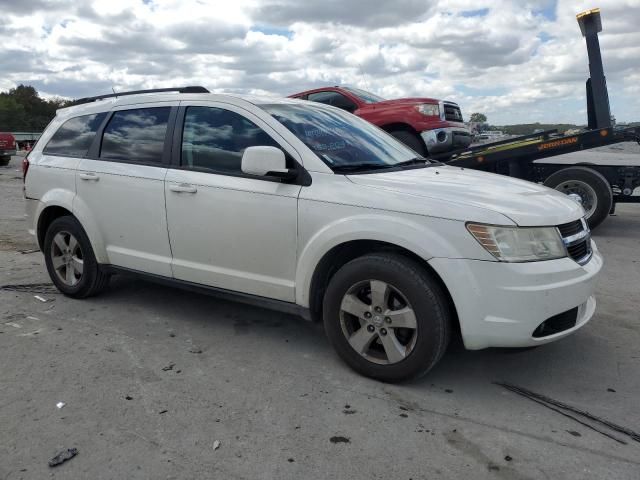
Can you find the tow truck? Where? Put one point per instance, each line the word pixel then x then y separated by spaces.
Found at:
pixel 597 187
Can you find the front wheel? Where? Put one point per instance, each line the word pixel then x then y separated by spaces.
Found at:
pixel 592 188
pixel 411 140
pixel 70 260
pixel 386 317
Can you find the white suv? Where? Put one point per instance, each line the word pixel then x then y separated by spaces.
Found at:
pixel 306 208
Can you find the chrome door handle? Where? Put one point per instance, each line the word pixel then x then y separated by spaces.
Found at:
pixel 183 188
pixel 89 176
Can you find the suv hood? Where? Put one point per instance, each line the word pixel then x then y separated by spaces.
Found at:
pixel 526 203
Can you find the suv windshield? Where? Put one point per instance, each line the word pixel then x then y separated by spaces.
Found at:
pixel 366 97
pixel 343 141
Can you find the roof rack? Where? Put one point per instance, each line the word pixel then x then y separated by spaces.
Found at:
pixel 190 89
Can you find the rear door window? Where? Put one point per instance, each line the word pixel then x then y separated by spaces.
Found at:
pixel 136 135
pixel 215 139
pixel 334 99
pixel 75 136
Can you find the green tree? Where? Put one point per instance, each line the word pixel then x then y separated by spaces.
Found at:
pixel 22 109
pixel 12 115
pixel 478 118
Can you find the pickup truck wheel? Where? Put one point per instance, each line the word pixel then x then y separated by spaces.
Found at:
pixel 592 188
pixel 70 261
pixel 386 317
pixel 4 161
pixel 411 140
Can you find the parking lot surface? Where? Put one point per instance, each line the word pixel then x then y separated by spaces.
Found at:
pixel 162 383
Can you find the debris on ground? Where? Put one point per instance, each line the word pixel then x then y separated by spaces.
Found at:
pixel 63 456
pixel 448 390
pixel 60 404
pixel 216 445
pixel 508 458
pixel 290 460
pixel 574 433
pixel 195 349
pixel 349 411
pixel 46 288
pixel 42 299
pixel 338 439
pixel 562 408
pixel 31 250
pixel 611 390
pixel 128 397
pixel 168 367
pixel 404 415
pixel 162 411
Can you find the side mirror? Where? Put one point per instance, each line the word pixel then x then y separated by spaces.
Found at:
pixel 265 161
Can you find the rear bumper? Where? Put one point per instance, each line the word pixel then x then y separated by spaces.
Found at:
pixel 502 304
pixel 7 153
pixel 445 139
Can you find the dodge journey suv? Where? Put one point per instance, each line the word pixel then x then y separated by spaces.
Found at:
pixel 306 208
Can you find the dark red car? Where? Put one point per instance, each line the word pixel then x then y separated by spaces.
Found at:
pixel 427 125
pixel 7 147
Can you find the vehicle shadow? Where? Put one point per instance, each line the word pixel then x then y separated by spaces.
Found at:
pixel 459 369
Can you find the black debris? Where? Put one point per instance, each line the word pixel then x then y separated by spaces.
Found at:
pixel 404 415
pixel 172 334
pixel 63 456
pixel 508 458
pixel 611 390
pixel 448 390
pixel 195 350
pixel 347 406
pixel 349 411
pixel 574 433
pixel 168 367
pixel 290 460
pixel 403 408
pixel 162 411
pixel 128 397
pixel 339 439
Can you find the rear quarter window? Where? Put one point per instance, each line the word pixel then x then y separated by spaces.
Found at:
pixel 74 137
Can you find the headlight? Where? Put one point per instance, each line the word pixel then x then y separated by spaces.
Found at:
pixel 429 109
pixel 519 244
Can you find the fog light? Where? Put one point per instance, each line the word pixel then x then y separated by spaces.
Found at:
pixel 441 136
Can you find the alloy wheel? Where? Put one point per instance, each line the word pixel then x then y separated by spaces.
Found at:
pixel 378 322
pixel 67 258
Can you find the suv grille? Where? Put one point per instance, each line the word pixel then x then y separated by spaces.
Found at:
pixel 452 112
pixel 577 239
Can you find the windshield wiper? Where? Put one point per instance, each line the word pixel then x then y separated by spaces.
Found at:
pixel 354 167
pixel 413 161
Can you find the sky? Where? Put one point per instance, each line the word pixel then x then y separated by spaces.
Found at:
pixel 518 61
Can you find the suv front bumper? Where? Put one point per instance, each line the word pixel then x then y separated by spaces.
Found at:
pixel 445 139
pixel 502 304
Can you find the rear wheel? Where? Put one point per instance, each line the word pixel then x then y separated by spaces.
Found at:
pixel 386 317
pixel 592 188
pixel 411 140
pixel 4 161
pixel 70 260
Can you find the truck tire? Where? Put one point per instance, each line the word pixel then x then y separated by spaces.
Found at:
pixel 70 259
pixel 411 140
pixel 387 317
pixel 592 187
pixel 4 161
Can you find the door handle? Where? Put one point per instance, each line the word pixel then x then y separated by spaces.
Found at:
pixel 183 188
pixel 89 176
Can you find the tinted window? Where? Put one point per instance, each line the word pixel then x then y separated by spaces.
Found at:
pixel 341 140
pixel 136 135
pixel 74 137
pixel 215 139
pixel 333 98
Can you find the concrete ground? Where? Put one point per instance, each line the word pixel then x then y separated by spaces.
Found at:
pixel 153 377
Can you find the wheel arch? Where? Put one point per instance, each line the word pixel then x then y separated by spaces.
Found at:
pixel 344 252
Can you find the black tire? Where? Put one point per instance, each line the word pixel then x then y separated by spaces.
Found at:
pixel 426 298
pixel 595 180
pixel 4 161
pixel 93 278
pixel 411 140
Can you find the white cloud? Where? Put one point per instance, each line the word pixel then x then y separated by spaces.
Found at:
pixel 517 61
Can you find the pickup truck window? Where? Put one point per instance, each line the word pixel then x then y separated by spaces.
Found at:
pixel 136 134
pixel 74 136
pixel 334 99
pixel 215 139
pixel 343 141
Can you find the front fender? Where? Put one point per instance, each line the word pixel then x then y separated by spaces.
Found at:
pixel 425 237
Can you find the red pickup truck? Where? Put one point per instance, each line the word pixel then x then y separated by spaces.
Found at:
pixel 7 147
pixel 426 125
